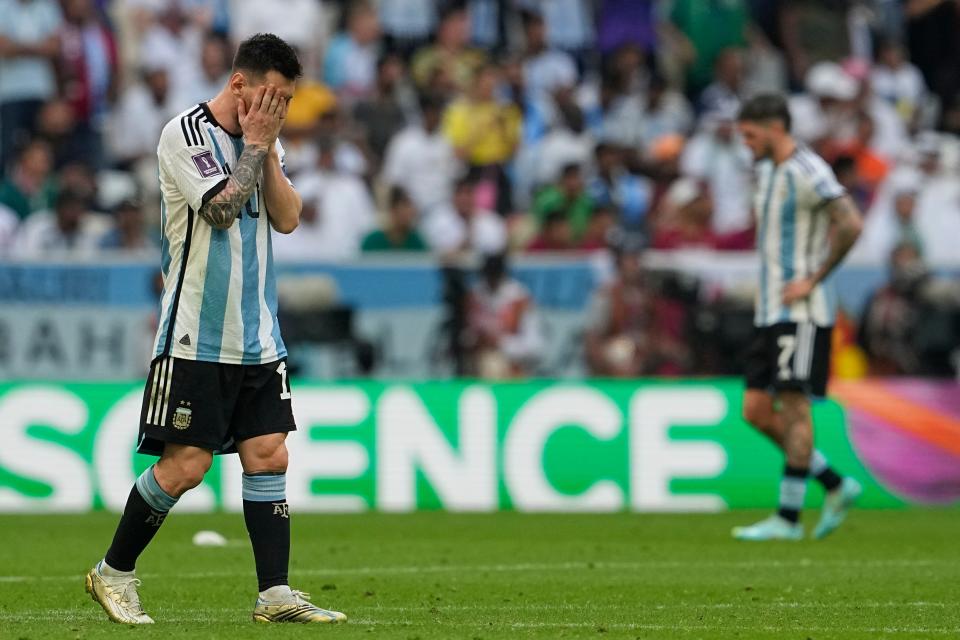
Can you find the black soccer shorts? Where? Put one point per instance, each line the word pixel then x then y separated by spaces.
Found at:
pixel 212 405
pixel 789 356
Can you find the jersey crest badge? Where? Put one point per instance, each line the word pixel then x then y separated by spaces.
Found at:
pixel 182 417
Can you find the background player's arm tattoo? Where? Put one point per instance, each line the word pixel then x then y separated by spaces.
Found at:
pixel 847 225
pixel 221 210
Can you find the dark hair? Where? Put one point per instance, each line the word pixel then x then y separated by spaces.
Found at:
pixel 451 9
pixel 569 169
pixel 555 216
pixel 69 197
pixel 398 196
pixel 266 52
pixel 529 18
pixel 766 106
pixel 465 182
pixel 430 101
pixel 844 163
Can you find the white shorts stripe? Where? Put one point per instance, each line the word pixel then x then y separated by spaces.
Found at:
pixel 806 332
pixel 166 393
pixel 153 391
pixel 162 376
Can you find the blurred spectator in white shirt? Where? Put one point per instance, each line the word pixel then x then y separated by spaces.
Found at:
pixel 407 24
pixel 460 227
pixel 28 47
pixel 898 82
pixel 569 23
pixel 214 72
pixel 350 61
pixel 540 164
pixel 934 216
pixel 826 109
pixel 503 338
pixel 8 229
pixel 143 110
pixel 338 212
pixel 545 70
pixel 382 115
pixel 128 233
pixel 727 88
pixel 666 113
pixel 174 41
pixel 69 228
pixel 421 160
pixel 715 156
pixel 301 23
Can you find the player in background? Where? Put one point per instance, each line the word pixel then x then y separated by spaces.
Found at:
pixel 218 381
pixel 806 224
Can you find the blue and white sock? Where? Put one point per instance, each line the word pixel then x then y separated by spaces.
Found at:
pixel 793 490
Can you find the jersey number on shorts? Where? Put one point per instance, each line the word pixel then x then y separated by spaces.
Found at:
pixel 284 383
pixel 788 346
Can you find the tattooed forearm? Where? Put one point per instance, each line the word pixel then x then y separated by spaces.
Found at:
pixel 847 224
pixel 221 210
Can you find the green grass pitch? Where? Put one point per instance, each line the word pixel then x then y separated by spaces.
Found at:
pixel 438 576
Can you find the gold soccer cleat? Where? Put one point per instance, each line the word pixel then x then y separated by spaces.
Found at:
pixel 118 596
pixel 295 609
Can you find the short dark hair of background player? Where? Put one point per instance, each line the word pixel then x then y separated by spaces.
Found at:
pixel 766 106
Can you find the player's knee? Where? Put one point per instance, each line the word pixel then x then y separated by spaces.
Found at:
pixel 268 455
pixel 757 411
pixel 183 471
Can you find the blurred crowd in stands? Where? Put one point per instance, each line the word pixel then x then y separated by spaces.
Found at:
pixel 493 126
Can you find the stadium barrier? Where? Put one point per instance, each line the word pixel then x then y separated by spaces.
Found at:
pixel 95 320
pixel 650 445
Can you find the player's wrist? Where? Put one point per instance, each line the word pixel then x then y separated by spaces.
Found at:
pixel 256 144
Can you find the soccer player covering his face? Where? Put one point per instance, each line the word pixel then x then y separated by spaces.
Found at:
pixel 218 381
pixel 806 224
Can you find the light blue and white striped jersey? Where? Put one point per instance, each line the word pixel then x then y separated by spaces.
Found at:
pixel 219 300
pixel 792 236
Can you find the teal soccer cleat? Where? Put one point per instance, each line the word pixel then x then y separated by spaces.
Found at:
pixel 835 507
pixel 773 528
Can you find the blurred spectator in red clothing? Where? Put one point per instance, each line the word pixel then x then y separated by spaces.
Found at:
pixel 684 217
pixel 90 71
pixel 630 332
pixel 603 221
pixel 685 221
pixel 555 233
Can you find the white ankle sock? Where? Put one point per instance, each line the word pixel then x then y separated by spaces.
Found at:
pixel 276 594
pixel 110 572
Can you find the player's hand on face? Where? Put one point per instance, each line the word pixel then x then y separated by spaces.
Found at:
pixel 261 120
pixel 797 290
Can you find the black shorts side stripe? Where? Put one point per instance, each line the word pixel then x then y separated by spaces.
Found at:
pixel 172 320
pixel 154 387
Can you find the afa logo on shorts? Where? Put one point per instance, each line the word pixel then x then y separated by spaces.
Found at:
pixel 182 416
